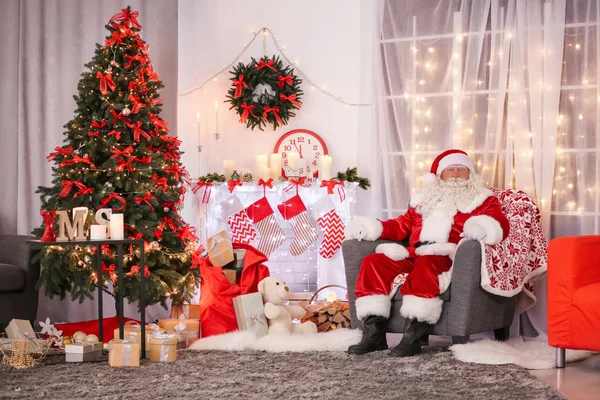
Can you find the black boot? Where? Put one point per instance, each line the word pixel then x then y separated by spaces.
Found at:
pixel 373 339
pixel 411 341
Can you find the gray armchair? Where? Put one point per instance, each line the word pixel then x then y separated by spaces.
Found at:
pixel 18 279
pixel 467 309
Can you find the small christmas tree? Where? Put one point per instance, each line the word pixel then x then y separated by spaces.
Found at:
pixel 118 155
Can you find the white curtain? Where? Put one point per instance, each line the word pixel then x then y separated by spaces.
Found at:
pixel 513 83
pixel 44 46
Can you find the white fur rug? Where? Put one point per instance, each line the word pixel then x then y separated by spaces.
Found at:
pixel 337 340
pixel 529 354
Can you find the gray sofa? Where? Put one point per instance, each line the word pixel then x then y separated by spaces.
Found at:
pixel 467 309
pixel 18 278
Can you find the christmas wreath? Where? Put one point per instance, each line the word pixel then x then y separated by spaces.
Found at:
pixel 264 92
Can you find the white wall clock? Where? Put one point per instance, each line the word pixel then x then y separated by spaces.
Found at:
pixel 308 145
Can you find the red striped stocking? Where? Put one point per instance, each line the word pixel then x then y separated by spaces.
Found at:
pixel 271 234
pixel 238 221
pixel 294 211
pixel 323 210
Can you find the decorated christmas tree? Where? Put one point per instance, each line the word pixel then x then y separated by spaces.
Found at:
pixel 117 154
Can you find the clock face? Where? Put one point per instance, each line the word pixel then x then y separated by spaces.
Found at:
pixel 309 146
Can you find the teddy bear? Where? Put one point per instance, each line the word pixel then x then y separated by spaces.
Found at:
pixel 274 292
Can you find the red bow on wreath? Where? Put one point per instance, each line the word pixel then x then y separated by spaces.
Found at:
pixel 247 110
pixel 282 80
pixel 239 83
pixel 262 64
pixel 275 111
pixel 291 99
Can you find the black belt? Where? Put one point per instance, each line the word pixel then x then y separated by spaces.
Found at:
pixel 419 244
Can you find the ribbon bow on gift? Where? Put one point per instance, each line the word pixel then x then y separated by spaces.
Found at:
pixel 265 184
pixel 231 184
pixel 331 184
pixel 295 183
pixel 207 189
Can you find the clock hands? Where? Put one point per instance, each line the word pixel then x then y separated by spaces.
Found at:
pixel 299 149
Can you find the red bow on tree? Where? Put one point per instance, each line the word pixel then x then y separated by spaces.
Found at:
pixel 137 131
pixel 171 139
pixel 116 133
pixel 239 83
pixel 162 182
pixel 169 221
pixel 59 151
pixel 111 271
pixel 125 165
pixel 136 268
pixel 231 184
pixel 98 125
pixel 187 234
pixel 76 159
pixel 158 123
pixel 282 80
pixel 137 104
pixel 295 183
pixel 125 17
pixel 197 258
pixel 126 152
pixel 111 196
pixel 268 183
pixel 119 117
pixel 247 110
pixel 331 184
pixel 146 199
pixel 83 190
pixel 144 160
pixel 115 38
pixel 291 99
pixel 106 80
pixel 138 57
pixel 207 189
pixel 275 111
pixel 262 64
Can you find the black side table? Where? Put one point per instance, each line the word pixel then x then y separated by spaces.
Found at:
pixel 97 257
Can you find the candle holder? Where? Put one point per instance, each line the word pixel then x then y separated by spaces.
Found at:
pixel 217 136
pixel 199 148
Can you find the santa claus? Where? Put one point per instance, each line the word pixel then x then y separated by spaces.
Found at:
pixel 454 205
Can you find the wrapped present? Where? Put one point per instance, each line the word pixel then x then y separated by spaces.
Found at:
pixel 20 329
pixel 191 325
pixel 132 331
pixel 83 352
pixel 230 274
pixel 163 347
pixel 150 330
pixel 220 250
pixel 184 337
pixel 250 314
pixel 238 255
pixel 123 354
pixel 190 311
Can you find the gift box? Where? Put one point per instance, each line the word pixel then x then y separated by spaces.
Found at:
pixel 83 352
pixel 163 347
pixel 191 325
pixel 250 314
pixel 20 329
pixel 132 331
pixel 230 274
pixel 238 255
pixel 123 354
pixel 189 311
pixel 220 250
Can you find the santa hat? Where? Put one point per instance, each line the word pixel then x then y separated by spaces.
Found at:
pixel 447 158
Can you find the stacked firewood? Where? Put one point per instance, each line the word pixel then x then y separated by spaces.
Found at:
pixel 328 316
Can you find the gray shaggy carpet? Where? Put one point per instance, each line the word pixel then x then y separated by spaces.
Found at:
pixel 435 374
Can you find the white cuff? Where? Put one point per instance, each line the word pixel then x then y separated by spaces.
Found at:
pixel 492 228
pixel 394 251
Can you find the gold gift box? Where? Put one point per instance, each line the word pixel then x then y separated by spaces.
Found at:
pixel 163 347
pixel 132 331
pixel 220 250
pixel 123 354
pixel 190 311
pixel 191 325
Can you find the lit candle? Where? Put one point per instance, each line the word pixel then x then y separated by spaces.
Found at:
pixel 229 166
pixel 97 232
pixel 275 166
pixel 116 227
pixel 216 117
pixel 261 164
pixel 325 168
pixel 198 126
pixel 293 161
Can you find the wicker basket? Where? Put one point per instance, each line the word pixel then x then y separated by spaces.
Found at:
pixel 328 315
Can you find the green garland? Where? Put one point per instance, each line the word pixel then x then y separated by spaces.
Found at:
pixel 212 177
pixel 351 176
pixel 264 92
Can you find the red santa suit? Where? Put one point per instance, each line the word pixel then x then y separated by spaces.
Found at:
pixel 423 269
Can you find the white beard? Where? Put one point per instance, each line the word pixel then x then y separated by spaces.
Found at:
pixel 449 196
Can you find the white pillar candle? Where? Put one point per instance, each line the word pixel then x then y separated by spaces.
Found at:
pixel 229 166
pixel 97 232
pixel 325 168
pixel 261 164
pixel 265 173
pixel 293 161
pixel 116 227
pixel 275 166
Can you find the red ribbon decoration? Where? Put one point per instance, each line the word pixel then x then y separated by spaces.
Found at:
pixel 76 159
pixel 265 184
pixel 115 38
pixel 111 196
pixel 136 268
pixel 116 133
pixel 162 182
pixel 295 183
pixel 187 233
pixel 239 83
pixel 111 271
pixel 98 125
pixel 231 184
pixel 138 57
pixel 137 104
pixel 125 18
pixel 331 184
pixel 247 110
pixel 207 189
pixel 144 160
pixel 68 185
pixel 119 117
pixel 282 80
pixel 158 123
pixel 83 191
pixel 132 86
pixel 275 111
pixel 169 221
pixel 262 64
pixel 197 258
pixel 106 80
pixel 146 199
pixel 125 165
pixel 126 152
pixel 171 139
pixel 137 131
pixel 291 99
pixel 59 151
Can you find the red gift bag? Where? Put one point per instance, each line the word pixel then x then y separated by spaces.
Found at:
pixel 217 315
